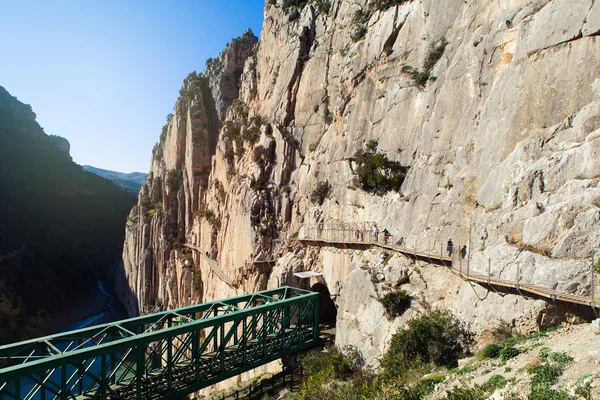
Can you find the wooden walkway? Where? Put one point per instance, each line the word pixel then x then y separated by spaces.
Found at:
pixel 213 265
pixel 456 267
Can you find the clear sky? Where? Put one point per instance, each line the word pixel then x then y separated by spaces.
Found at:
pixel 105 73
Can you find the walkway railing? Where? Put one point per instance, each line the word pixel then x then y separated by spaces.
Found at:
pixel 165 355
pixel 456 257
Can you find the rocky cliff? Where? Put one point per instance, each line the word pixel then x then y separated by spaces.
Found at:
pixel 489 109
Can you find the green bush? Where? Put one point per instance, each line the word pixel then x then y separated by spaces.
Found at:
pixel 385 4
pixel 258 156
pixel 375 173
pixel 545 375
pixel 437 337
pixel 395 303
pixel 508 352
pixel 466 393
pixel 502 332
pixel 490 351
pixel 597 266
pixel 323 6
pixel 358 32
pixel 320 193
pixel 560 358
pixel 421 76
pixel 174 179
pixel 494 383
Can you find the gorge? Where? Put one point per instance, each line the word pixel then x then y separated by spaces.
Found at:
pixel 491 109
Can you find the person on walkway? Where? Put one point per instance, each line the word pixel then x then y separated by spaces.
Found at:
pixel 386 235
pixel 376 232
pixel 400 242
pixel 449 247
pixel 463 252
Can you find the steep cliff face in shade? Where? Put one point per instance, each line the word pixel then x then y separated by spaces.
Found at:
pixel 61 228
pixel 494 108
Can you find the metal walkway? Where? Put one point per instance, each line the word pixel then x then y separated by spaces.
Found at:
pixel 165 355
pixel 362 236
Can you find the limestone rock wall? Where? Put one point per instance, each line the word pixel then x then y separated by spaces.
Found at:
pixel 502 142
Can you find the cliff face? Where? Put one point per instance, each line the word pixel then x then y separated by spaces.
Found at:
pixel 53 219
pixel 493 106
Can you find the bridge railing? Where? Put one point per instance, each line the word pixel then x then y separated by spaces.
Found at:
pixel 579 285
pixel 164 355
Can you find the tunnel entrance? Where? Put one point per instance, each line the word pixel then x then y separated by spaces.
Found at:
pixel 328 311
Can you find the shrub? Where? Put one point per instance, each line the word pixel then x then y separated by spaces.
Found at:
pixel 508 352
pixel 436 51
pixel 287 189
pixel 323 6
pixel 544 377
pixel 169 116
pixel 597 266
pixel 494 383
pixel 358 33
pixel 560 358
pixel 145 201
pixel 466 393
pixel 174 179
pixel 395 303
pixel 385 4
pixel 257 184
pixel 490 351
pixel 258 156
pixel 437 337
pixel 421 76
pixel 375 173
pixel 320 193
pixel 502 332
pixel 344 362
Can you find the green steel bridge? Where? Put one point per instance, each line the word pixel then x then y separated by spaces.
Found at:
pixel 165 355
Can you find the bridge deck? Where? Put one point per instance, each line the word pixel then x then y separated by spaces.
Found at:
pixel 437 258
pixel 164 355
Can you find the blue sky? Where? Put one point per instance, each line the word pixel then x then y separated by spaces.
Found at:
pixel 105 73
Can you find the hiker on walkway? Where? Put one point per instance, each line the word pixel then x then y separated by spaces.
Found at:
pixel 386 235
pixel 450 247
pixel 320 228
pixel 400 242
pixel 463 252
pixel 376 232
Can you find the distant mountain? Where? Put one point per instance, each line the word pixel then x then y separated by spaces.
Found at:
pixel 131 182
pixel 60 226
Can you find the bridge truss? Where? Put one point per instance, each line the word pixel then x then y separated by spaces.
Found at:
pixel 165 355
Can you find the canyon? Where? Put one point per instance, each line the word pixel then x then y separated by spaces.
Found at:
pixel 491 107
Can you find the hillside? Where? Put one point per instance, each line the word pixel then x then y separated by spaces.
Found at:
pixel 60 226
pixel 131 182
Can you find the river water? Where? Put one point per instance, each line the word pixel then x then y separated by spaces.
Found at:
pixel 105 308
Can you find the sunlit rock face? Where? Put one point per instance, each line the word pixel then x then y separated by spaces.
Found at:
pixel 502 142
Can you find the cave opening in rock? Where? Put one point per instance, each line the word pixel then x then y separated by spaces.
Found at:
pixel 328 311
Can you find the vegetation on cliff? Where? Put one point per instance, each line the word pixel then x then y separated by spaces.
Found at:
pixel 375 173
pixel 60 225
pixel 428 350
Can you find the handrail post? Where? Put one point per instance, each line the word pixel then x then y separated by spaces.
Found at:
pixel 470 243
pixel 518 274
pixel 593 279
pixel 489 267
pixel 468 270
